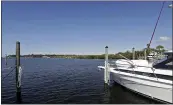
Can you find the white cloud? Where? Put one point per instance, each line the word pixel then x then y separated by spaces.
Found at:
pixel 170 6
pixel 164 38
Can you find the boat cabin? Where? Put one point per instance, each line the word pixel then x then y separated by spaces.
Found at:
pixel 165 63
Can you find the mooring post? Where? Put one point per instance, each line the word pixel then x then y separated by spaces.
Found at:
pixel 6 59
pixel 145 53
pixel 106 72
pixel 148 49
pixel 18 81
pixel 133 52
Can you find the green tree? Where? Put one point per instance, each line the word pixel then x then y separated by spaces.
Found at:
pixel 160 49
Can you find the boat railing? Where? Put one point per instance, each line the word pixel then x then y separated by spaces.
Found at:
pixel 129 61
pixel 132 65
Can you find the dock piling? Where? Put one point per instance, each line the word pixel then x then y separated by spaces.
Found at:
pixel 133 52
pixel 6 59
pixel 145 53
pixel 18 79
pixel 106 72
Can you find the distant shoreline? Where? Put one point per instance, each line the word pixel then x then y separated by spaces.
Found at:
pixel 61 56
pixel 102 56
pixel 55 58
pixel 127 54
pixel 139 54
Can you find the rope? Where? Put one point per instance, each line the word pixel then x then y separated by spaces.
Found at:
pixel 8 73
pixel 156 24
pixel 7 68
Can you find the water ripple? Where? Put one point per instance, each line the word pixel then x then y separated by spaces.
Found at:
pixel 62 81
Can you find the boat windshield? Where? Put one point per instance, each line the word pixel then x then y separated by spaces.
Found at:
pixel 165 63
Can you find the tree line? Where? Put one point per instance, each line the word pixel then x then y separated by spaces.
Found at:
pixel 128 54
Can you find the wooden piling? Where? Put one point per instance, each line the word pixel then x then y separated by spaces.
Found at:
pixel 18 82
pixel 106 72
pixel 148 50
pixel 133 52
pixel 6 59
pixel 145 53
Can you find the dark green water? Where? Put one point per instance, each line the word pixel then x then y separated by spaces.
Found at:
pixel 63 81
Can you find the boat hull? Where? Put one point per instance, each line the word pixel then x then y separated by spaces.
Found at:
pixel 137 85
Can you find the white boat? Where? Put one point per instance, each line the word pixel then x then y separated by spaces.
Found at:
pixel 45 57
pixel 152 79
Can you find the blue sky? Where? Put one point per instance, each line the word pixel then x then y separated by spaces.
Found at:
pixel 83 27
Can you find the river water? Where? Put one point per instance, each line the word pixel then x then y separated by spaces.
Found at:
pixel 63 81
